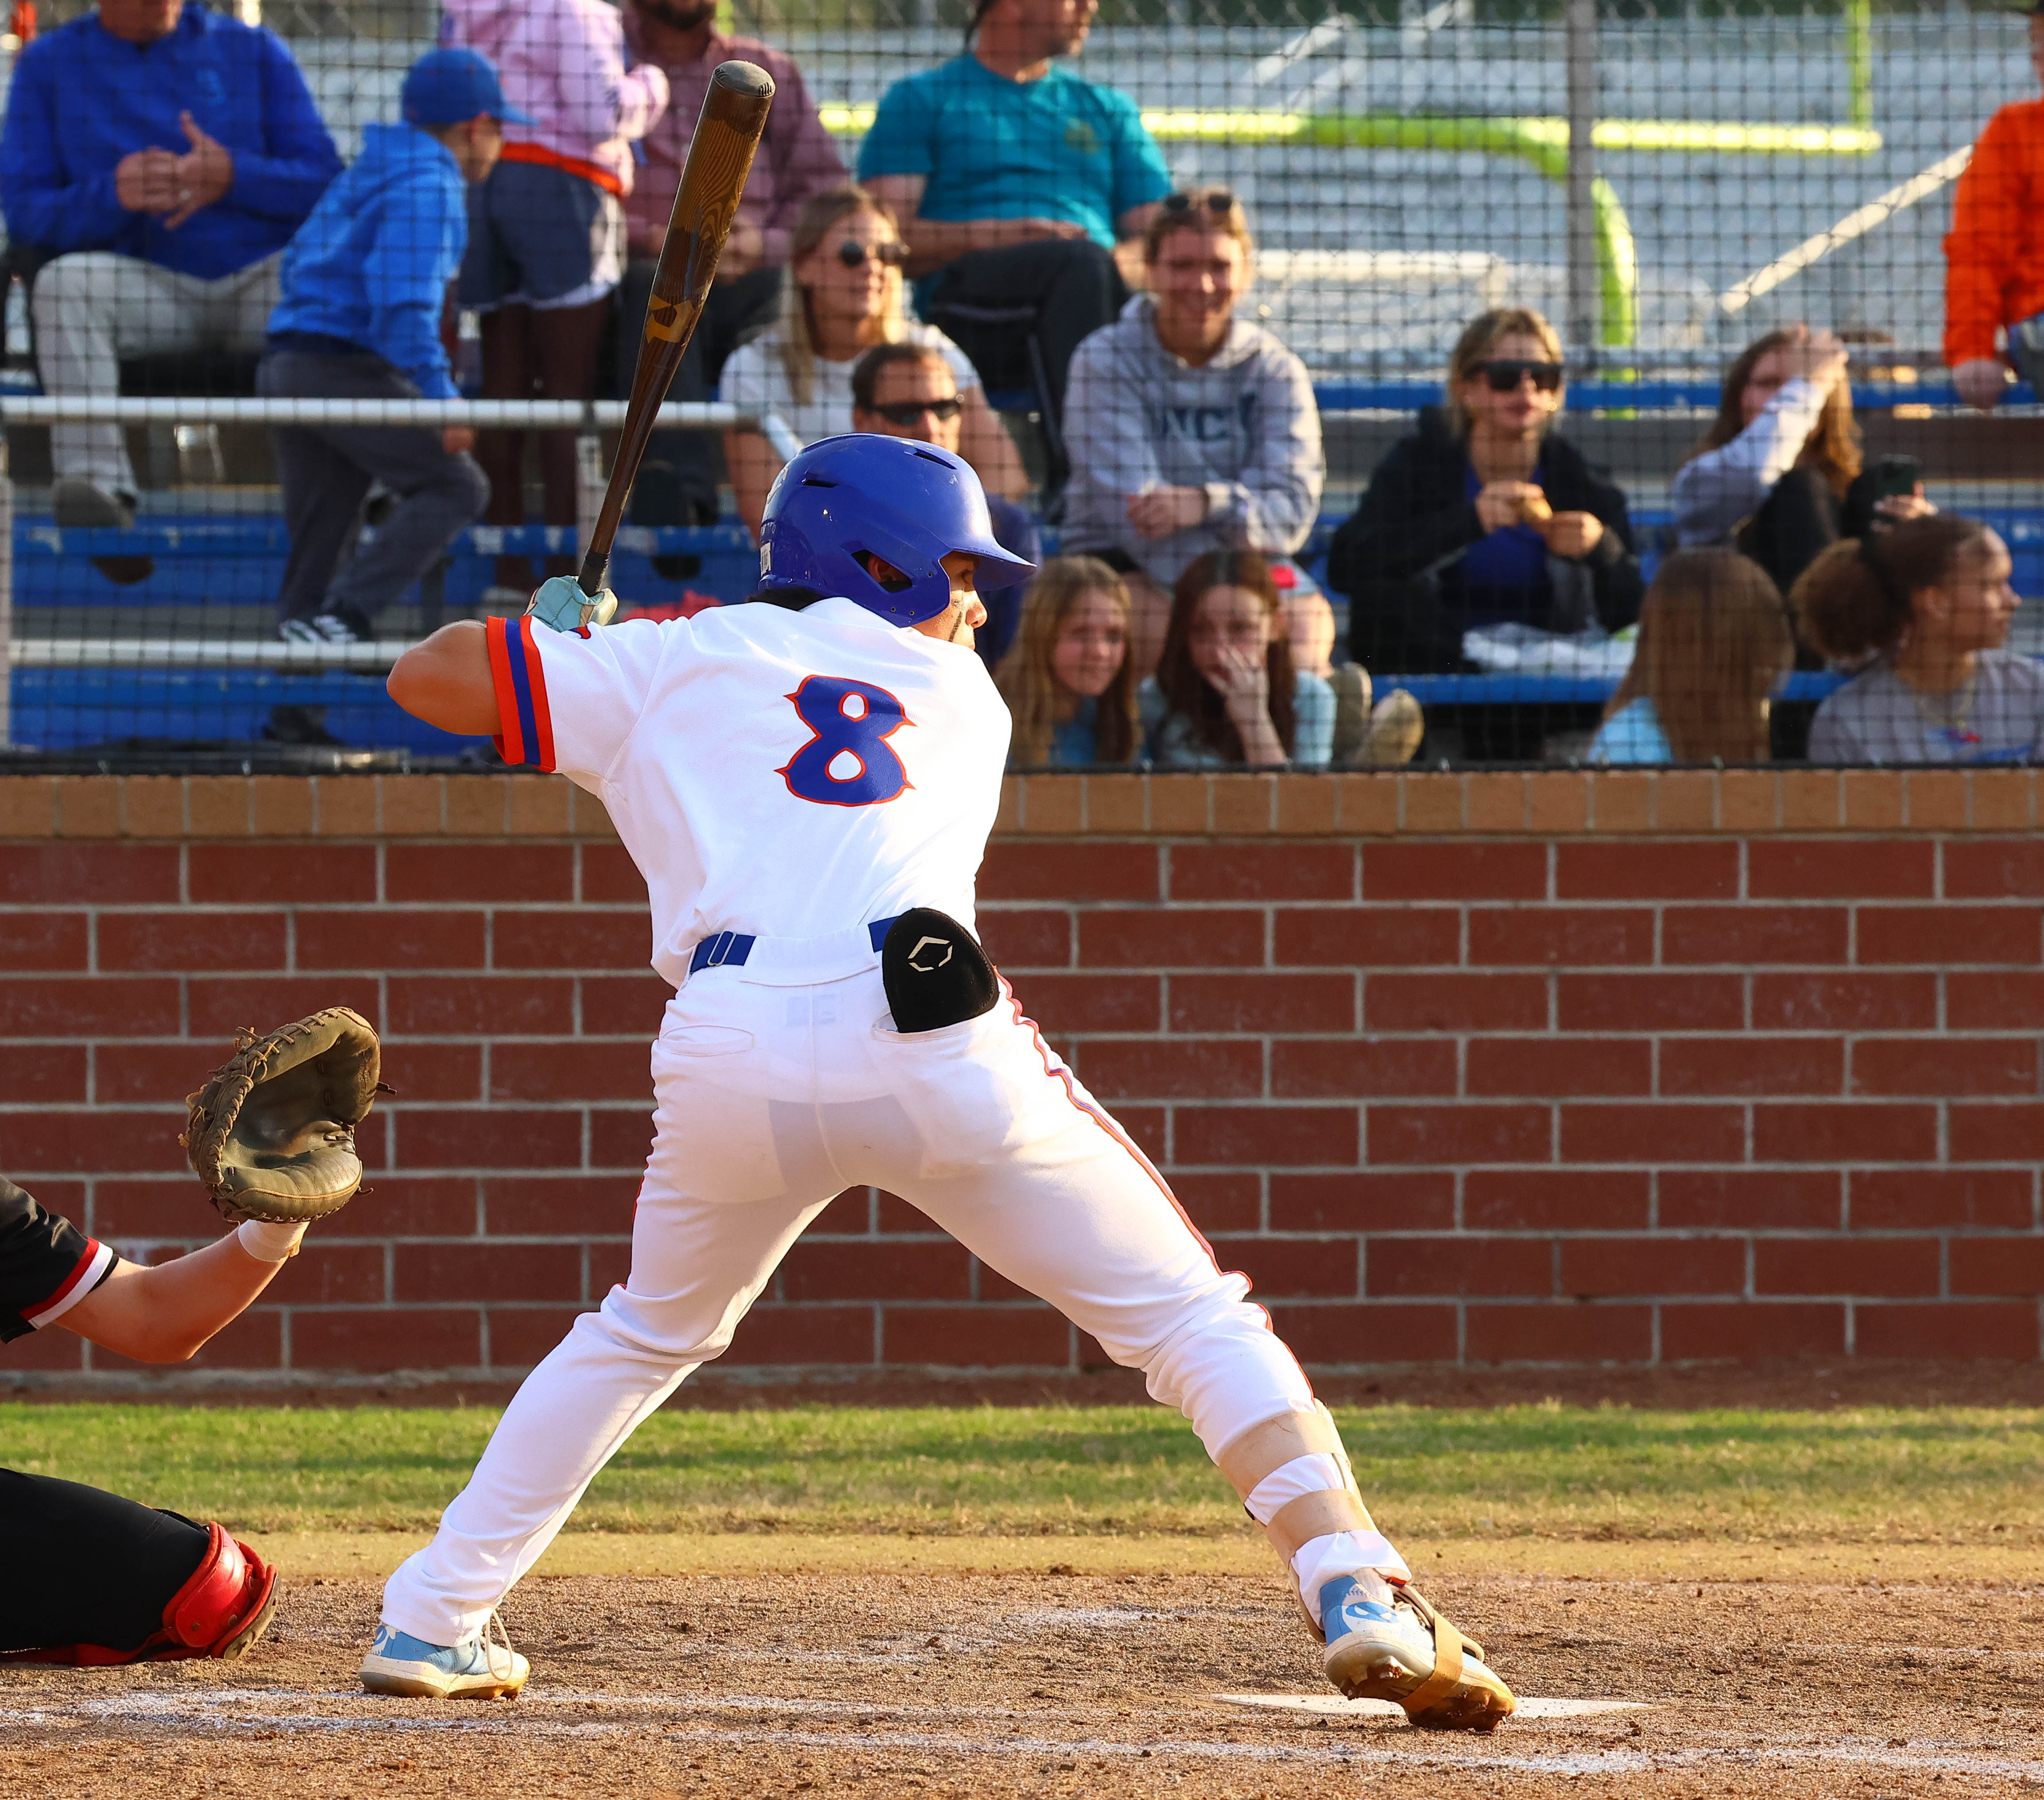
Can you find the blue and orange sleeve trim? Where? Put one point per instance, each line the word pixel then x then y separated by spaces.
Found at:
pixel 526 732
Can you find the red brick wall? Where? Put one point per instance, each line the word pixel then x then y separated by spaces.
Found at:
pixel 1489 1069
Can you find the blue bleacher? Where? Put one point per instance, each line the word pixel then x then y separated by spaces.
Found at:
pixel 237 562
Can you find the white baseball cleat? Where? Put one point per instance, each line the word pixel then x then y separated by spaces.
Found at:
pixel 479 1669
pixel 1405 1652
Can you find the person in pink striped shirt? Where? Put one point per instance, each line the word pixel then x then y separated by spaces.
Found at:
pixel 546 232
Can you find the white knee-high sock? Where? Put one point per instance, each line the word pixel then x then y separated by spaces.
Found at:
pixel 1367 1556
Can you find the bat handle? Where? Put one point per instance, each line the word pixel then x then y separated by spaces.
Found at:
pixel 595 565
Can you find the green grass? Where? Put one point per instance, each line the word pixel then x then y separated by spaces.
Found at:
pixel 1870 1475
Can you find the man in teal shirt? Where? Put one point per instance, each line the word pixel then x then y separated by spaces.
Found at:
pixel 1013 180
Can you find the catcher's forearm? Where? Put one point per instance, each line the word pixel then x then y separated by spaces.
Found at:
pixel 446 681
pixel 164 1314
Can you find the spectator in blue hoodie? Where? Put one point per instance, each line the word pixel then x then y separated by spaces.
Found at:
pixel 163 154
pixel 365 284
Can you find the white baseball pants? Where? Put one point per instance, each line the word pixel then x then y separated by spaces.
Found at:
pixel 93 308
pixel 771 1100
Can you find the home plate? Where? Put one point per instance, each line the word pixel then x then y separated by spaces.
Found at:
pixel 1335 1706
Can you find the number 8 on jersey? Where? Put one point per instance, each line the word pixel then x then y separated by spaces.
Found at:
pixel 847 761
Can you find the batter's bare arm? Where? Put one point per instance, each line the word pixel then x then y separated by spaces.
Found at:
pixel 446 681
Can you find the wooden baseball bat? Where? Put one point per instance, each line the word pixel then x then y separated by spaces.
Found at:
pixel 734 114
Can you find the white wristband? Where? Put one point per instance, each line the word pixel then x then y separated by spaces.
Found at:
pixel 267 1242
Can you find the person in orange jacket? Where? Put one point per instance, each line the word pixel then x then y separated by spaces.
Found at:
pixel 1994 258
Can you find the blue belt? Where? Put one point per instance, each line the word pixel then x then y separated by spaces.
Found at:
pixel 732 948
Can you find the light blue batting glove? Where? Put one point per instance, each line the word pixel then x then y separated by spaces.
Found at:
pixel 559 603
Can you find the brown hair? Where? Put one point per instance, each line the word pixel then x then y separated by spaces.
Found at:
pixel 1854 600
pixel 1188 692
pixel 797 326
pixel 1199 214
pixel 1481 335
pixel 1038 702
pixel 866 372
pixel 1832 448
pixel 1713 638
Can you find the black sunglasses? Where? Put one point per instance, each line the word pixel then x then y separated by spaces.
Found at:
pixel 1217 201
pixel 1505 373
pixel 910 412
pixel 853 254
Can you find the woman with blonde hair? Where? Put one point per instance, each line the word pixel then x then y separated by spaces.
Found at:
pixel 1778 473
pixel 1190 429
pixel 841 294
pixel 1925 607
pixel 1485 516
pixel 1714 640
pixel 1068 681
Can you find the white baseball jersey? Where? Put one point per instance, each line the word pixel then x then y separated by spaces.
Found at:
pixel 788 774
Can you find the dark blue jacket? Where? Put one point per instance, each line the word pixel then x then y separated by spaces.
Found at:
pixel 83 99
pixel 373 263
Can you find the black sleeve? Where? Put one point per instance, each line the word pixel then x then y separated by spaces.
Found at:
pixel 47 1264
pixel 1614 564
pixel 1402 526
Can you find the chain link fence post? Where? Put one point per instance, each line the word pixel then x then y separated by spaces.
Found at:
pixel 1582 35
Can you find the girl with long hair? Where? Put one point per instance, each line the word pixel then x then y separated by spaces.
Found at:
pixel 840 295
pixel 1069 682
pixel 1926 606
pixel 1714 640
pixel 1225 692
pixel 1778 473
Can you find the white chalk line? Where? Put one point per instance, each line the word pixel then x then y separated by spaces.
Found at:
pixel 1336 1705
pixel 528 1719
pixel 152 1705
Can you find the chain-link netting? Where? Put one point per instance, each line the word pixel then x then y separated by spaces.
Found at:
pixel 1474 382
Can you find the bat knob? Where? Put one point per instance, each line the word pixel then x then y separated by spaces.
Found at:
pixel 559 603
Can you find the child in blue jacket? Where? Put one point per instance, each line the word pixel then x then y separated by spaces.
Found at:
pixel 365 282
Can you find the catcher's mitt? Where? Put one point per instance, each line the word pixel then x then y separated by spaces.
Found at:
pixel 272 1134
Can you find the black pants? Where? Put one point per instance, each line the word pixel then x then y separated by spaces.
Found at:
pixel 326 471
pixel 1402 628
pixel 1019 312
pixel 677 484
pixel 87 1568
pixel 1799 518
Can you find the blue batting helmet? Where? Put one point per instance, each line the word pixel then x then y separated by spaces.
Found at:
pixel 909 503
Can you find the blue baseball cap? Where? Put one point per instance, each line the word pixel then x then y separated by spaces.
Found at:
pixel 445 87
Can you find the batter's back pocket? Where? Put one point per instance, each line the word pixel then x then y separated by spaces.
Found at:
pixel 975 1091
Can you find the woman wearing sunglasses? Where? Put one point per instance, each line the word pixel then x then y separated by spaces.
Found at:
pixel 842 295
pixel 1484 516
pixel 1190 430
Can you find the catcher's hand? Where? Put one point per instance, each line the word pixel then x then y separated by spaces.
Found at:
pixel 272 1134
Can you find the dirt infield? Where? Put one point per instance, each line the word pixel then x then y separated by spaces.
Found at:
pixel 1813 1680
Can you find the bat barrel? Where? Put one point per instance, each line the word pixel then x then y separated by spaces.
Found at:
pixel 727 132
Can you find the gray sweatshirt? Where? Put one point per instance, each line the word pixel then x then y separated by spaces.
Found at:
pixel 1243 426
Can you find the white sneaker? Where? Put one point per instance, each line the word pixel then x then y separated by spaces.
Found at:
pixel 322 628
pixel 83 504
pixel 480 1669
pixel 1405 1652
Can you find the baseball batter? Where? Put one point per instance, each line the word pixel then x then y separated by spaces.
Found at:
pixel 807 782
